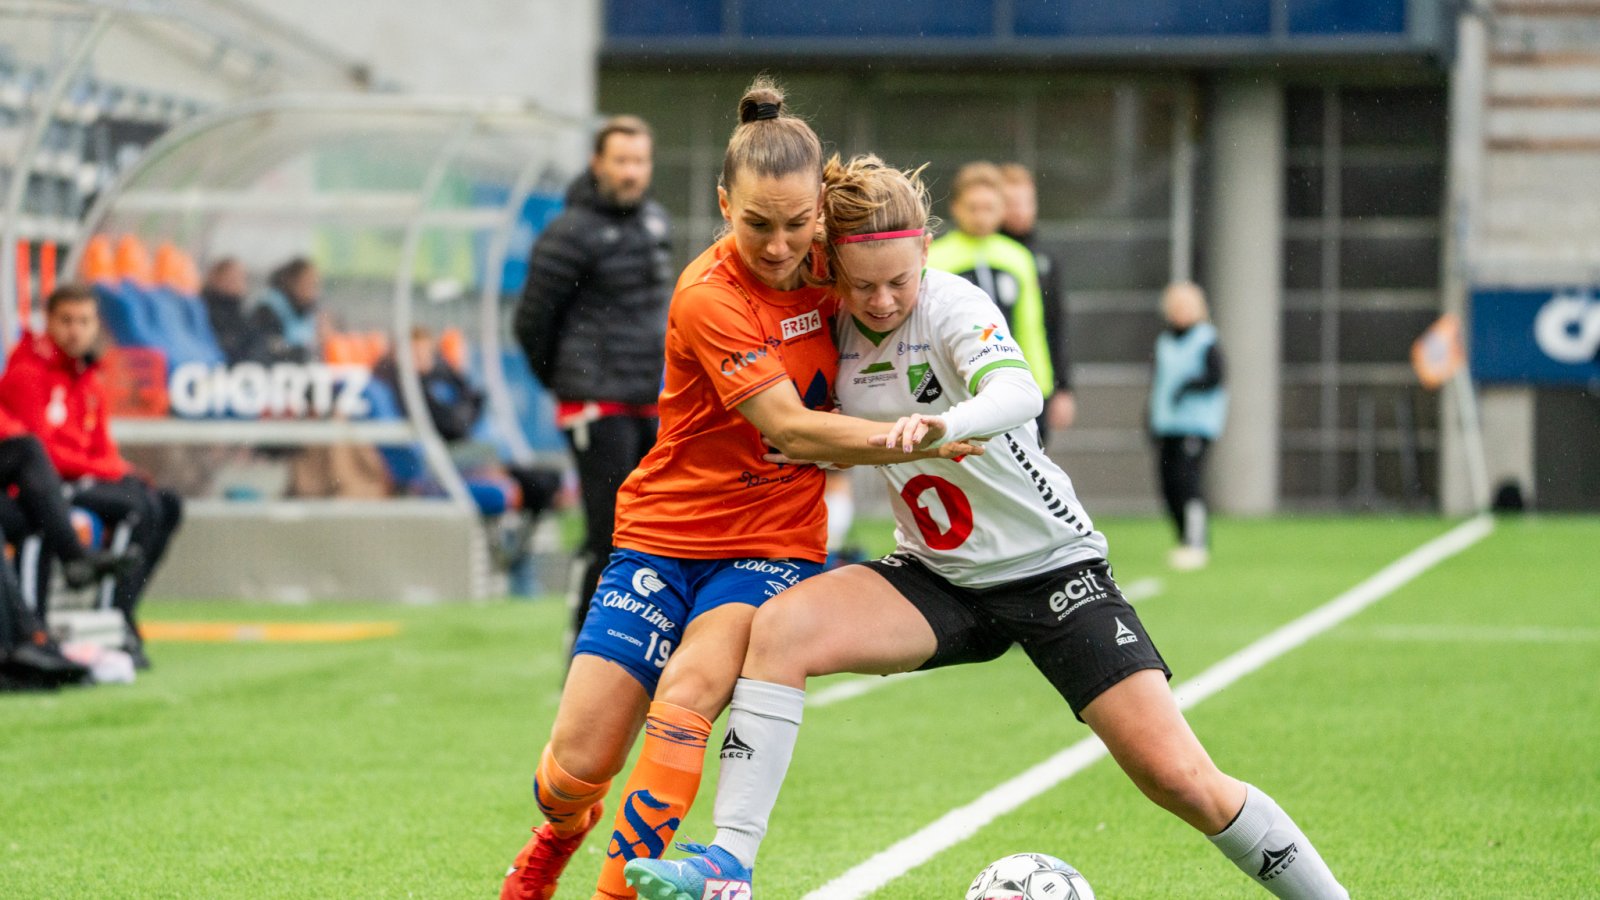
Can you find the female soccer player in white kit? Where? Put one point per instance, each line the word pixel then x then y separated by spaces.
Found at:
pixel 992 550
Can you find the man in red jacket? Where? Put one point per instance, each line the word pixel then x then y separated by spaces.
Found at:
pixel 32 501
pixel 51 384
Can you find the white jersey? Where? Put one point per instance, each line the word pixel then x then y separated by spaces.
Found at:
pixel 986 520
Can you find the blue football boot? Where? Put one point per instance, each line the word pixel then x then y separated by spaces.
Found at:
pixel 711 873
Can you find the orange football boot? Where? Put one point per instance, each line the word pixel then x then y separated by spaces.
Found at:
pixel 533 876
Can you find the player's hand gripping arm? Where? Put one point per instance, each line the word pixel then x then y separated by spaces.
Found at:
pixel 806 434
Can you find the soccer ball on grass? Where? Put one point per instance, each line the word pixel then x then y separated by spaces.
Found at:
pixel 1030 876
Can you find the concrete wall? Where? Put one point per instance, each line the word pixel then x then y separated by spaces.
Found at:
pixel 544 49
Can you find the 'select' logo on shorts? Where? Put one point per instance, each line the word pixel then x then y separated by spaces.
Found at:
pixel 800 325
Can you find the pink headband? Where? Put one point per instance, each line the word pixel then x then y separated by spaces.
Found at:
pixel 878 236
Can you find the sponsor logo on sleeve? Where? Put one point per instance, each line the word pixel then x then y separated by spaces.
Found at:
pixel 995 351
pixel 733 362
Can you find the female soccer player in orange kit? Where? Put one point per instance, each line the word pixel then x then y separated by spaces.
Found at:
pixel 707 529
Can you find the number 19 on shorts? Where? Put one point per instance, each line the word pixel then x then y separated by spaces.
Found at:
pixel 658 651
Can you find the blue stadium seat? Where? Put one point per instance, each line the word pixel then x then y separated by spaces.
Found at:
pixel 127 315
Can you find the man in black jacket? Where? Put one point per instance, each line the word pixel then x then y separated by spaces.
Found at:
pixel 1022 213
pixel 593 321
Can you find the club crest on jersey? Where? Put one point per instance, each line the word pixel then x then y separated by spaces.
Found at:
pixel 925 386
pixel 801 325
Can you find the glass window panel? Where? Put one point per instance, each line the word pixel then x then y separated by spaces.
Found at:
pixel 1302 192
pixel 1389 262
pixel 1413 189
pixel 1302 337
pixel 1404 116
pixel 1302 264
pixel 1381 336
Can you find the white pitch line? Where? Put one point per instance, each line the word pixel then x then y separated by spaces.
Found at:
pixel 1143 589
pixel 959 824
pixel 1135 592
pixel 1494 634
pixel 855 687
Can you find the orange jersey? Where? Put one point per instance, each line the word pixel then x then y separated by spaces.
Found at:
pixel 703 491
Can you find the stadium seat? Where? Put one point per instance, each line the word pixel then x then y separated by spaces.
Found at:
pixel 175 269
pixel 131 260
pixel 99 264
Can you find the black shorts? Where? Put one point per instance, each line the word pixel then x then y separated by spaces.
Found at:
pixel 1073 623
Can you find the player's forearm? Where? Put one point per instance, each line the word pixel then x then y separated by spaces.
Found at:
pixel 1007 399
pixel 826 437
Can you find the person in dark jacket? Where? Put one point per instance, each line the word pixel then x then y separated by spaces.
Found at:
pixel 454 407
pixel 223 293
pixel 1022 214
pixel 285 325
pixel 593 321
pixel 1188 406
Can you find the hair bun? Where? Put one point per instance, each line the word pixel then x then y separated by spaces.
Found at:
pixel 763 100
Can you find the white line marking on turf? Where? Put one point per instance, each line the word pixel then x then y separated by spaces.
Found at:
pixel 1135 592
pixel 1143 589
pixel 961 823
pixel 855 687
pixel 1495 634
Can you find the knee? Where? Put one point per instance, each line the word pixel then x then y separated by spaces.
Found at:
pixel 586 759
pixel 696 690
pixel 784 631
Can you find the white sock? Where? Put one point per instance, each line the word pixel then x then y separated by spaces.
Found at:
pixel 841 513
pixel 1266 845
pixel 763 725
pixel 1194 524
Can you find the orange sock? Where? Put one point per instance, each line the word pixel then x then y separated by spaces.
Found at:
pixel 563 799
pixel 660 791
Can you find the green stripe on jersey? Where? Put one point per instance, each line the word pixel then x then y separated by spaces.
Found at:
pixel 972 386
pixel 876 337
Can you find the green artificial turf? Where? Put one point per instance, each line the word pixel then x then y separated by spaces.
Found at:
pixel 1439 744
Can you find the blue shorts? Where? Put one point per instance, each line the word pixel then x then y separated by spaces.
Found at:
pixel 644 602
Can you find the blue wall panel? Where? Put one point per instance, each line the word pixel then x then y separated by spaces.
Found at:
pixel 663 18
pixel 1160 18
pixel 867 18
pixel 1347 16
pixel 855 24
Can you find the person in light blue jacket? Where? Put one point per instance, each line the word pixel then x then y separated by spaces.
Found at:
pixel 1188 406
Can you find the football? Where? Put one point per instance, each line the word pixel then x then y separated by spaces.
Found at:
pixel 1030 876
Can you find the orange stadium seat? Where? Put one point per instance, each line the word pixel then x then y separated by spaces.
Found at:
pixel 133 262
pixel 99 263
pixel 176 269
pixel 453 348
